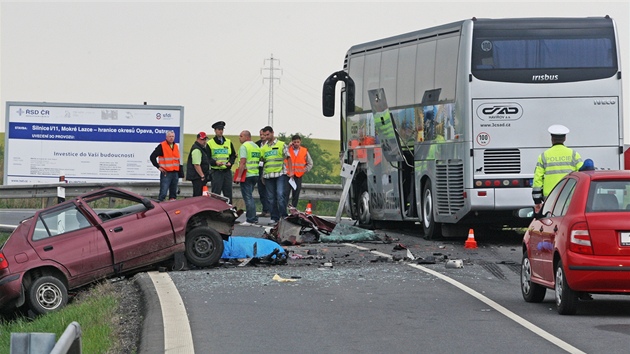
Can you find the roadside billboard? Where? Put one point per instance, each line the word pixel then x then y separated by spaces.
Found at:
pixel 85 142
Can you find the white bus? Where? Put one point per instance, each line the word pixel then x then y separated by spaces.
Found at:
pixel 447 123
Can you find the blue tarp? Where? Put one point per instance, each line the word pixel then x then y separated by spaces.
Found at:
pixel 239 247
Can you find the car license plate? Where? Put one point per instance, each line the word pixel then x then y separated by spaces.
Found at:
pixel 625 238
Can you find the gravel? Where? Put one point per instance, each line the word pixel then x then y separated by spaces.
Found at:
pixel 129 316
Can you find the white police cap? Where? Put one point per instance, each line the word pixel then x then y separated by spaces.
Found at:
pixel 558 129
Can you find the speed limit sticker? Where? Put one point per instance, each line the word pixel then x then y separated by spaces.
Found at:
pixel 483 138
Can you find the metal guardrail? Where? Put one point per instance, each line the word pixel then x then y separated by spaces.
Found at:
pixel 68 343
pixel 49 192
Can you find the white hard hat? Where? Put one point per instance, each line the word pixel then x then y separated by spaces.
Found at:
pixel 558 129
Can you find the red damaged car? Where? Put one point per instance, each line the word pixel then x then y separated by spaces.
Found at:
pixel 579 243
pixel 82 240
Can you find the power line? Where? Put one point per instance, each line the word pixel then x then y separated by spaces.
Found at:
pixel 271 78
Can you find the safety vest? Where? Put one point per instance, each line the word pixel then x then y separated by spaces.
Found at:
pixel 298 162
pixel 169 160
pixel 273 156
pixel 220 152
pixel 252 159
pixel 553 164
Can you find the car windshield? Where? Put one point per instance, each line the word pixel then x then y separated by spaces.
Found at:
pixel 609 196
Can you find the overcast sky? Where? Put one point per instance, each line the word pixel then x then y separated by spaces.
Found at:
pixel 213 57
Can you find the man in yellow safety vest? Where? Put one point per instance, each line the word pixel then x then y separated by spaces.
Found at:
pixel 553 164
pixel 274 174
pixel 222 157
pixel 249 154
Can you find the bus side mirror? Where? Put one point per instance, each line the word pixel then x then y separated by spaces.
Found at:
pixel 328 93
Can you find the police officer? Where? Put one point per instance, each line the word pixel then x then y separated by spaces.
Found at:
pixel 553 164
pixel 222 157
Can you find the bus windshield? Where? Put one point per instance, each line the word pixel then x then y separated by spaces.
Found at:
pixel 564 55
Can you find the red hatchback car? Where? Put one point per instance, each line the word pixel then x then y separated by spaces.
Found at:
pixel 579 243
pixel 85 239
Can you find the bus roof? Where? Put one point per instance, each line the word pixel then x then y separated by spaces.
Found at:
pixel 407 37
pixel 503 23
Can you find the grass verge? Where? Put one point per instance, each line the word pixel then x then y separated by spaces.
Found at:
pixel 94 310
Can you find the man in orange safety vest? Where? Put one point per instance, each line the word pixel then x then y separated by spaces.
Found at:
pixel 297 164
pixel 165 158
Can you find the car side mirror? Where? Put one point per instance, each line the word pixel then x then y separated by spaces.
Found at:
pixel 147 203
pixel 526 213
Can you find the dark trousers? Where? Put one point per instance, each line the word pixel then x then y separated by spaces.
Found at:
pixel 275 193
pixel 247 189
pixel 168 185
pixel 295 193
pixel 222 182
pixel 262 191
pixel 198 187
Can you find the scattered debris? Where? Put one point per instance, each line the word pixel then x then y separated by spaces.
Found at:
pixel 299 228
pixel 349 233
pixel 400 247
pixel 507 262
pixel 428 260
pixel 455 263
pixel 388 239
pixel 282 280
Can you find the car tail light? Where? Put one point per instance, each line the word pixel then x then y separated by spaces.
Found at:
pixel 3 261
pixel 580 239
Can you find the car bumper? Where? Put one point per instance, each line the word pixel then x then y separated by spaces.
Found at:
pixel 10 291
pixel 598 274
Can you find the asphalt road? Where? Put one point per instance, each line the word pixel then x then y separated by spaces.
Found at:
pixel 10 218
pixel 367 297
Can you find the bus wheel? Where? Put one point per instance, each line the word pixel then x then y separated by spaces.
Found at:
pixel 363 207
pixel 430 228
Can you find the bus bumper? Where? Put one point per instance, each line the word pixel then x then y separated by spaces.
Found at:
pixel 500 198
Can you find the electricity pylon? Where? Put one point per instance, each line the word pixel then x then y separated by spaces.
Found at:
pixel 271 78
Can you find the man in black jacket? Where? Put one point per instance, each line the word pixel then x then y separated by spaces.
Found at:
pixel 198 167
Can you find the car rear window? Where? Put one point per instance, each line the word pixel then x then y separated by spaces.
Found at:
pixel 609 196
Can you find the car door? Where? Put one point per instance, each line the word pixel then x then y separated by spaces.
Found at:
pixel 65 236
pixel 556 228
pixel 135 232
pixel 541 235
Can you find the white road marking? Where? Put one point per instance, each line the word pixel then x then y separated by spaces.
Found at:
pixel 504 311
pixel 177 333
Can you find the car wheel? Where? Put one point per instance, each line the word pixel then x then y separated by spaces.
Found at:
pixel 431 229
pixel 532 292
pixel 363 207
pixel 566 298
pixel 204 247
pixel 47 294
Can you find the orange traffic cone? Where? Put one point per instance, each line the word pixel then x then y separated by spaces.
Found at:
pixel 309 209
pixel 204 191
pixel 470 242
